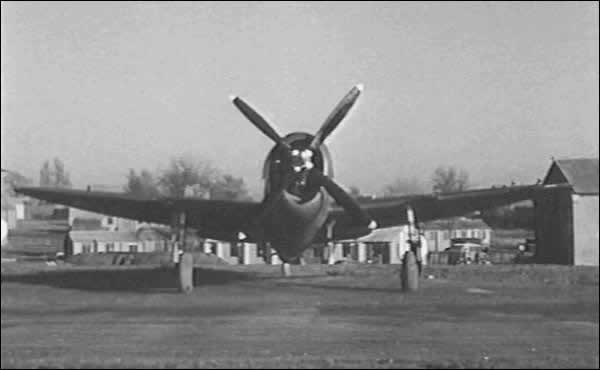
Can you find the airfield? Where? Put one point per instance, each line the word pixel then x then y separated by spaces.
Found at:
pixel 349 316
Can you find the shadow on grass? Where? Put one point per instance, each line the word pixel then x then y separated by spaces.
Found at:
pixel 342 287
pixel 151 279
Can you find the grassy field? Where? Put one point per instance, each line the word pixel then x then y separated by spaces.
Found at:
pixel 349 316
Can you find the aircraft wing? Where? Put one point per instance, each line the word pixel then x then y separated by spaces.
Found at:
pixel 218 219
pixel 392 211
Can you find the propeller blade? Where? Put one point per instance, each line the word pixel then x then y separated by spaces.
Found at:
pixel 343 199
pixel 336 116
pixel 258 120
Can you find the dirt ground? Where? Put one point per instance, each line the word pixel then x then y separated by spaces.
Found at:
pixel 341 316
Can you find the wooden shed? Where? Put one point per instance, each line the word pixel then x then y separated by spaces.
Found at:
pixel 567 218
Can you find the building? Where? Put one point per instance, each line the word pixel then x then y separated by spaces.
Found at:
pixel 236 253
pixel 439 233
pixel 388 245
pixel 14 208
pixel 102 241
pixel 567 218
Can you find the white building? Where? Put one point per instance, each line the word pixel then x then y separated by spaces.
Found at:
pixel 388 245
pixel 103 241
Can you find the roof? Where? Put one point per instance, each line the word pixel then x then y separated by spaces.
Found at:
pixel 456 223
pixel 103 236
pixel 387 234
pixel 153 233
pixel 580 173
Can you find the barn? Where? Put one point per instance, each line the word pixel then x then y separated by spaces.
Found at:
pixel 567 219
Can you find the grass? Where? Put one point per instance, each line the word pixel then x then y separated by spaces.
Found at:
pixel 249 317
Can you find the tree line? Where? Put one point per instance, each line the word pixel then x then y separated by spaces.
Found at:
pixel 183 177
pixel 186 177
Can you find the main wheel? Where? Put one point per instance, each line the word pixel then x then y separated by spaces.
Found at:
pixel 410 272
pixel 186 273
pixel 286 269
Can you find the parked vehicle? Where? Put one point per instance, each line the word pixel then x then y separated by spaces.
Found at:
pixel 467 251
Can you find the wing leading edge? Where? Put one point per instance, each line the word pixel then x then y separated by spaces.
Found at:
pixel 217 219
pixel 392 211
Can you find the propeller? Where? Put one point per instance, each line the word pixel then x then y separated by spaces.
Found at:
pixel 343 198
pixel 330 124
pixel 258 121
pixel 336 116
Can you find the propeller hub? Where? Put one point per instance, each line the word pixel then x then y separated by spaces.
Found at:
pixel 302 160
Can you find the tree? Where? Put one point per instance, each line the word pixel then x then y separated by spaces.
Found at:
pixel 143 185
pixel 45 174
pixel 12 180
pixel 186 177
pixel 449 179
pixel 403 187
pixel 228 187
pixel 54 175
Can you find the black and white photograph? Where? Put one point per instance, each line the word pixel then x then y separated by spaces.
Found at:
pixel 300 184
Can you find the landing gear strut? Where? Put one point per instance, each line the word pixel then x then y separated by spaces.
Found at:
pixel 411 262
pixel 410 273
pixel 183 261
pixel 286 269
pixel 186 273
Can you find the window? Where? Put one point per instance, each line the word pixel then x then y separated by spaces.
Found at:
pixel 446 235
pixel 109 220
pixel 110 247
pixel 133 248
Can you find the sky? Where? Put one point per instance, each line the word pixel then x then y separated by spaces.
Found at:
pixel 496 89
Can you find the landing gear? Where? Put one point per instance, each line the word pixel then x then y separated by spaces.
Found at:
pixel 286 269
pixel 184 262
pixel 185 269
pixel 410 272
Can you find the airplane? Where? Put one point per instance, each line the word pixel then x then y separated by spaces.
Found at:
pixel 302 203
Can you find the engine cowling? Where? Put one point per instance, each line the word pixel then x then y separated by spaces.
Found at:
pixel 296 163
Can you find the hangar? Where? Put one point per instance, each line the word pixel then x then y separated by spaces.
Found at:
pixel 566 220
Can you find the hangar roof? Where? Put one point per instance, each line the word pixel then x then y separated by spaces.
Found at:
pixel 392 233
pixel 103 236
pixel 580 173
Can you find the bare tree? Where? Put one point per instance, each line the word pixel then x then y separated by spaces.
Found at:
pixel 187 177
pixel 403 187
pixel 143 185
pixel 449 179
pixel 54 175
